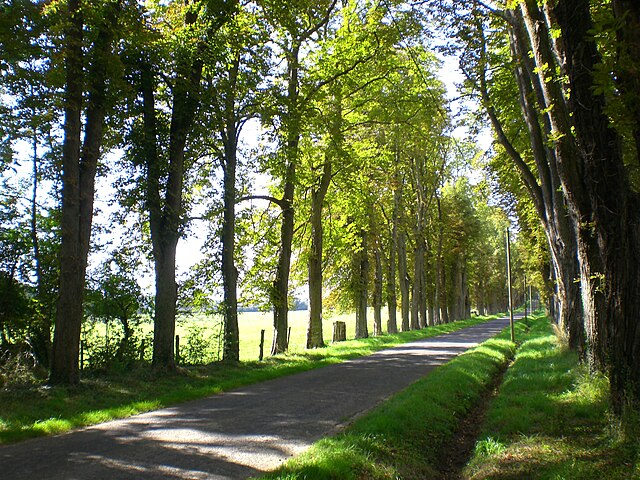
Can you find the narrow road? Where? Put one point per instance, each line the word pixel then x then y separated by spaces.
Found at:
pixel 240 433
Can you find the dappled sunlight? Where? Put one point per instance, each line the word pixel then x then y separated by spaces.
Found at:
pixel 541 456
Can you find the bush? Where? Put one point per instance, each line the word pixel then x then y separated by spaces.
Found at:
pixel 200 349
pixel 20 368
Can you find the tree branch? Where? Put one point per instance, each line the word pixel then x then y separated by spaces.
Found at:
pixel 278 201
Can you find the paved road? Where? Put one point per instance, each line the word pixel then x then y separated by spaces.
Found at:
pixel 240 433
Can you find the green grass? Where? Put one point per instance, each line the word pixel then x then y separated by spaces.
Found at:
pixel 250 324
pixel 551 420
pixel 37 410
pixel 402 438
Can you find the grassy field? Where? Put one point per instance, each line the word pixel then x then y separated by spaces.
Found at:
pixel 250 324
pixel 549 420
pixel 35 409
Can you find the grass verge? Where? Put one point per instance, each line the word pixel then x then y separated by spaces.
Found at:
pixel 37 410
pixel 550 420
pixel 402 437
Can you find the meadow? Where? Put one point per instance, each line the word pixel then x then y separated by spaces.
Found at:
pixel 200 335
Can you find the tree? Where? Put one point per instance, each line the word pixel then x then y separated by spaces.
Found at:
pixel 115 294
pixel 30 113
pixel 360 42
pixel 231 97
pixel 508 98
pixel 602 202
pixel 79 163
pixel 575 145
pixel 166 165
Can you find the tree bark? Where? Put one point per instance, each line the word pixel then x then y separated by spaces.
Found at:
pixel 314 333
pixel 392 299
pixel 78 182
pixel 280 291
pixel 360 282
pixel 545 190
pixel 573 178
pixel 66 337
pixel 377 293
pixel 437 296
pixel 418 288
pixel 405 284
pixel 165 215
pixel 608 212
pixel 231 347
pixel 41 340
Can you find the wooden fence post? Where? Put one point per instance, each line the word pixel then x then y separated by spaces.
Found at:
pixel 261 345
pixel 177 349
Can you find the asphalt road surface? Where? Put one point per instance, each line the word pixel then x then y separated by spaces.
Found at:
pixel 241 433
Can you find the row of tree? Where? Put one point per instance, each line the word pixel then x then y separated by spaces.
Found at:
pixel 558 82
pixel 357 151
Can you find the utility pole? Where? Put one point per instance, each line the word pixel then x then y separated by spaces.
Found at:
pixel 525 297
pixel 513 332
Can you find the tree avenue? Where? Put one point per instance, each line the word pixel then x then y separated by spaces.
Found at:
pixel 572 82
pixel 310 147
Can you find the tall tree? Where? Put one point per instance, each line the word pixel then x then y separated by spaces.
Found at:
pixel 30 113
pixel 165 170
pixel 511 98
pixel 79 162
pixel 601 199
pixel 231 96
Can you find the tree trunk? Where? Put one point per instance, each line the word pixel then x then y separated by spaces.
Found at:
pixel 231 349
pixel 404 280
pixel 361 281
pixel 608 212
pixel 425 315
pixel 79 171
pixel 440 283
pixel 231 345
pixel 545 190
pixel 280 291
pixel 572 176
pixel 377 294
pixel 41 340
pixel 314 333
pixel 164 325
pixel 444 297
pixel 66 337
pixel 392 299
pixel 165 216
pixel 418 266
